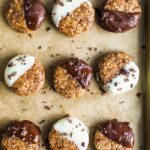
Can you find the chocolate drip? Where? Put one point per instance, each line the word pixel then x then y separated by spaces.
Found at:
pixel 116 21
pixel 80 70
pixel 119 132
pixel 25 130
pixel 35 13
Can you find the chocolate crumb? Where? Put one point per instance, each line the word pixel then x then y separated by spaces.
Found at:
pixel 69 0
pixel 30 35
pixel 40 47
pixel 42 121
pixel 131 85
pixel 121 102
pixel 47 107
pixel 139 94
pixel 12 75
pixel 116 83
pixel 61 3
pixel 44 102
pixel 11 64
pixel 48 29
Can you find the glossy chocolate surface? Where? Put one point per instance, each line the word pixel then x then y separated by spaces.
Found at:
pixel 116 21
pixel 119 132
pixel 80 70
pixel 35 13
pixel 25 130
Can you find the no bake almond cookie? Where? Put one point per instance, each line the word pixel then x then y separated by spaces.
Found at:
pixel 25 75
pixel 72 77
pixel 72 17
pixel 25 15
pixel 21 135
pixel 117 73
pixel 68 134
pixel 114 135
pixel 119 15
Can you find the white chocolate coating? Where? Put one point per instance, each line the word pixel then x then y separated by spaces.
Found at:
pixel 17 67
pixel 65 7
pixel 125 81
pixel 74 130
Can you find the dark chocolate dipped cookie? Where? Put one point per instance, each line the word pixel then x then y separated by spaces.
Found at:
pixel 72 77
pixel 119 15
pixel 114 135
pixel 25 15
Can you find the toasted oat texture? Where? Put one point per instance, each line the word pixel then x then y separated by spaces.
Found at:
pixel 66 85
pixel 59 142
pixel 103 143
pixel 81 19
pixel 32 81
pixel 110 65
pixel 130 6
pixel 16 17
pixel 14 143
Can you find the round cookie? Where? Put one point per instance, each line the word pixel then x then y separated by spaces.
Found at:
pixel 25 15
pixel 114 135
pixel 25 75
pixel 119 15
pixel 117 73
pixel 72 77
pixel 72 17
pixel 69 134
pixel 21 135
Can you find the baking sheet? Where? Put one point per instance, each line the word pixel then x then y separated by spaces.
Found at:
pixel 50 47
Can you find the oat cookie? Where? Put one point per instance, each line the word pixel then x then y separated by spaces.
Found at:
pixel 114 135
pixel 25 75
pixel 119 15
pixel 21 135
pixel 117 73
pixel 72 17
pixel 72 77
pixel 25 15
pixel 68 134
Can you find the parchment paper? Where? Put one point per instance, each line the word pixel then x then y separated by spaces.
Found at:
pixel 51 46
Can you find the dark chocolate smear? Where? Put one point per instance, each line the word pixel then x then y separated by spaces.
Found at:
pixel 25 130
pixel 119 132
pixel 80 70
pixel 35 13
pixel 117 21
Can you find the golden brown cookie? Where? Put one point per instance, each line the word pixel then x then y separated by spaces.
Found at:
pixel 119 15
pixel 72 78
pixel 21 135
pixel 114 135
pixel 117 73
pixel 73 17
pixel 25 75
pixel 68 134
pixel 25 15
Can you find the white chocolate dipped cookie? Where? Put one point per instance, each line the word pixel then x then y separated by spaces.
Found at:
pixel 73 16
pixel 117 73
pixel 69 134
pixel 24 74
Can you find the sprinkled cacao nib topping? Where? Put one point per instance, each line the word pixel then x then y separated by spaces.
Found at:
pixel 119 132
pixel 81 71
pixel 11 64
pixel 124 72
pixel 12 75
pixel 35 13
pixel 83 144
pixel 25 130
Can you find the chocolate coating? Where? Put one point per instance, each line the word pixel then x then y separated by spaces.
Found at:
pixel 35 13
pixel 25 130
pixel 80 70
pixel 119 132
pixel 117 21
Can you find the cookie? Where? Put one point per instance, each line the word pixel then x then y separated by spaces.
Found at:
pixel 69 134
pixel 72 17
pixel 119 15
pixel 24 74
pixel 117 73
pixel 21 135
pixel 72 78
pixel 114 135
pixel 25 15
